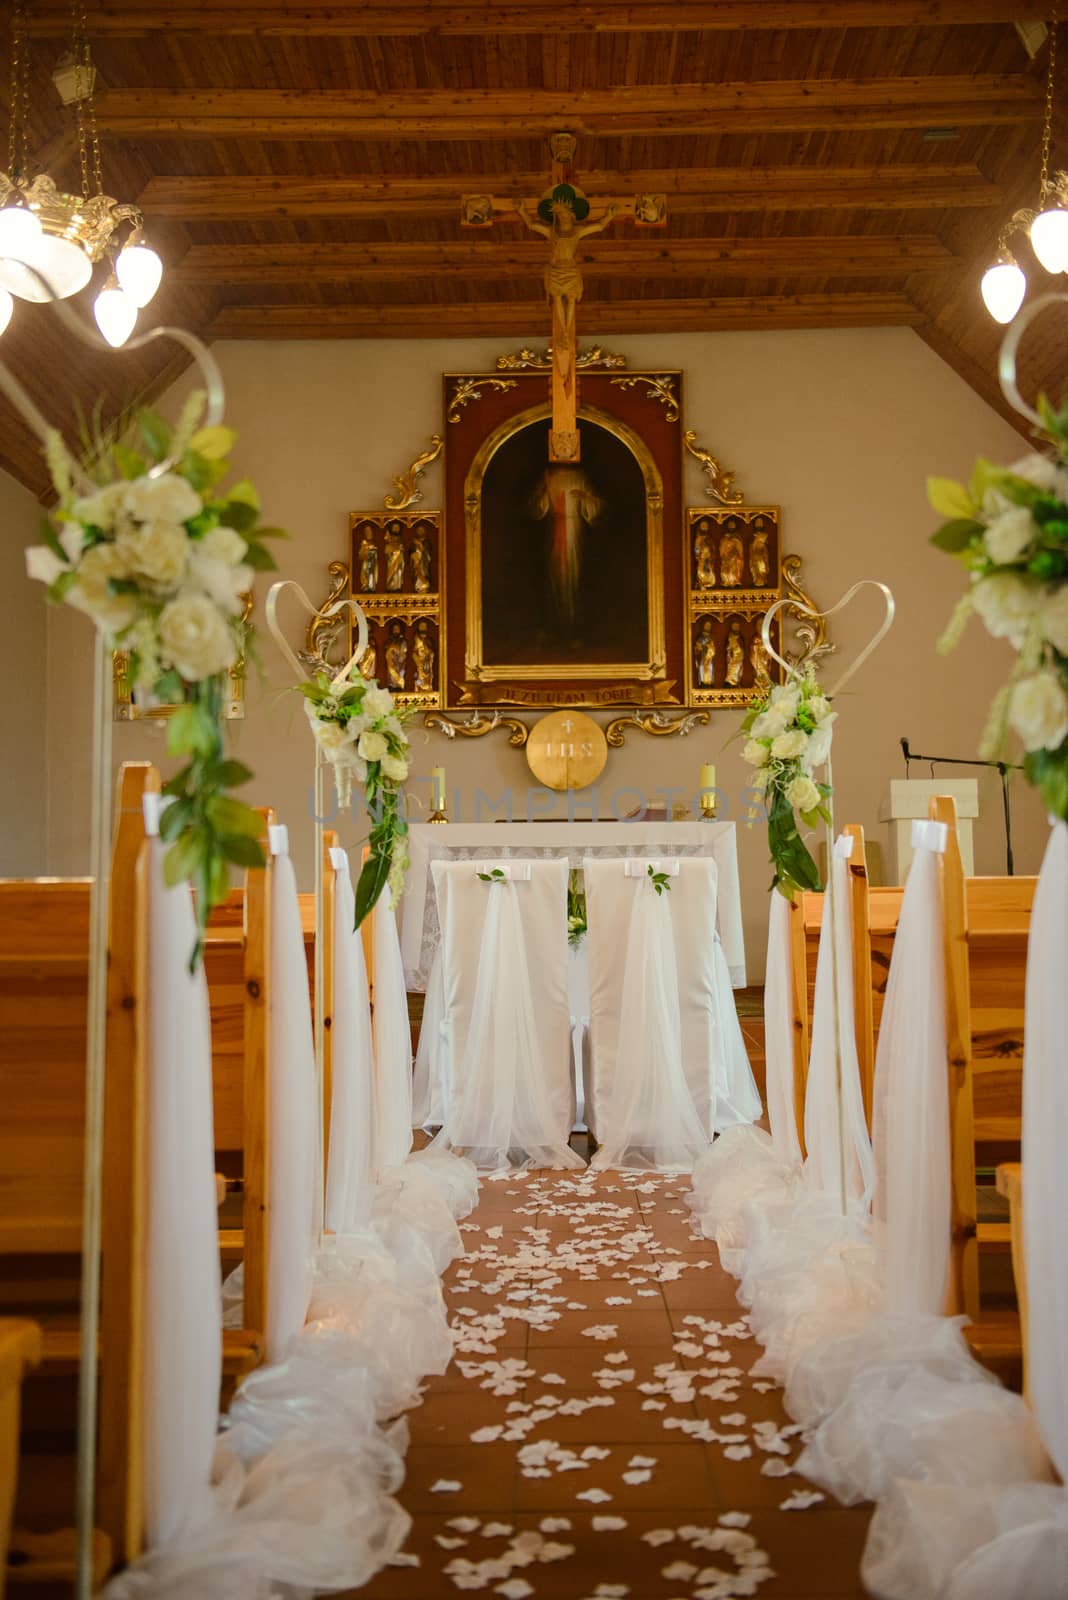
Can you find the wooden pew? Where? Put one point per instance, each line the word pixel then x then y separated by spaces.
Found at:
pixel 1009 1180
pixel 20 1349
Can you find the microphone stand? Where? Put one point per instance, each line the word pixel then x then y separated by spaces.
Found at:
pixel 1001 767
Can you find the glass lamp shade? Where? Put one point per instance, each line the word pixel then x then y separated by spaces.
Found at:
pixel 139 270
pixel 20 233
pixel 1049 238
pixel 7 305
pixel 115 314
pixel 1003 288
pixel 63 265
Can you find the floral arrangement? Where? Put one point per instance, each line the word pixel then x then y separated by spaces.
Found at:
pixel 576 908
pixel 788 735
pixel 160 558
pixel 359 729
pixel 1009 526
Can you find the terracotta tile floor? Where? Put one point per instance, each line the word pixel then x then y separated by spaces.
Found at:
pixel 567 1241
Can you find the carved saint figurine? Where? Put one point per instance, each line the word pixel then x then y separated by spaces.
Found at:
pixel 759 559
pixel 367 559
pixel 704 655
pixel 394 556
pixel 563 275
pixel 423 658
pixel 420 559
pixel 731 560
pixel 735 655
pixel 758 657
pixel 396 656
pixel 704 556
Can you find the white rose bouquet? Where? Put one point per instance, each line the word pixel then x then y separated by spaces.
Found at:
pixel 787 736
pixel 1010 529
pixel 161 561
pixel 359 729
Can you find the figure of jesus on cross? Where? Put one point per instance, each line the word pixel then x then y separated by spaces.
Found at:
pixel 563 216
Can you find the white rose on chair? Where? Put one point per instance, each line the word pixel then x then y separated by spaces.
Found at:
pixel 395 768
pixel 373 746
pixel 195 638
pixel 1007 603
pixel 1038 711
pixel 756 753
pixel 1009 535
pixel 167 498
pixel 90 592
pixel 377 702
pixel 1054 620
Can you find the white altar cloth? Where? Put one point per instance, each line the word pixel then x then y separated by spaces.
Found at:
pixel 421 935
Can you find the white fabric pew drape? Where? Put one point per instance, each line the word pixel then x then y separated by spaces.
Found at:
pixel 299 1493
pixel 350 1168
pixel 183 1312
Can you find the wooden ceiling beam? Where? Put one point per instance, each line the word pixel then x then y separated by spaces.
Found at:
pixel 325 18
pixel 492 259
pixel 985 99
pixel 521 318
pixel 690 191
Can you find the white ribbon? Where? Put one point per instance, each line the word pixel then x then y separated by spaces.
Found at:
pixel 633 868
pixel 339 858
pixel 1007 354
pixel 278 838
pixel 797 606
pixel 927 834
pixel 274 594
pixel 843 846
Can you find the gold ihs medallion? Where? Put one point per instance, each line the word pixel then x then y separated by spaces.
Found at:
pixel 567 750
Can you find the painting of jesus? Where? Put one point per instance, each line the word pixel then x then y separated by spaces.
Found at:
pixel 564 553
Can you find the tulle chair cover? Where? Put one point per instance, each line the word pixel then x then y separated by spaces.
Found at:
pixel 183 1311
pixel 294 1145
pixel 428 1092
pixel 779 1035
pixel 506 1021
pixel 839 1158
pixel 392 1044
pixel 349 1172
pixel 645 1111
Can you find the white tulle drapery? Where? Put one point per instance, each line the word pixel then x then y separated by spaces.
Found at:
pixel 910 1114
pixel 779 1035
pixel 896 1409
pixel 349 1172
pixel 646 1115
pixel 298 1496
pixel 182 1321
pixel 293 1142
pixel 506 1019
pixel 839 1159
pixel 392 1042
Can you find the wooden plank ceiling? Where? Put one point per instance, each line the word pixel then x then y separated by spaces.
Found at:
pixel 828 163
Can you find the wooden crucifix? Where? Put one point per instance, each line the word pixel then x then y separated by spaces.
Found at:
pixel 564 216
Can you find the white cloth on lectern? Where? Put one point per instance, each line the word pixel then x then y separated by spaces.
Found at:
pixel 393 1044
pixel 294 1100
pixel 183 1328
pixel 646 1116
pixel 349 1172
pixel 506 1021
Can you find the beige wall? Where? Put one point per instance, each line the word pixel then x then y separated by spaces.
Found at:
pixel 839 428
pixel 23 631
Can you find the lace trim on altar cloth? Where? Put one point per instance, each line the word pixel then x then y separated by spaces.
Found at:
pixel 431 936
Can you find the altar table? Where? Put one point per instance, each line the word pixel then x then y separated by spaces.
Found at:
pixel 464 841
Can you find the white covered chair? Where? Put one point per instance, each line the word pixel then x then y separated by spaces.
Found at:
pixel 505 1034
pixel 668 1066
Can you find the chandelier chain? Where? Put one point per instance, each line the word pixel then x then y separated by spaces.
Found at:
pixel 1047 121
pixel 20 92
pixel 85 105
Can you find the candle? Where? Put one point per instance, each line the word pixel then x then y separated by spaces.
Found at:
pixel 708 775
pixel 437 788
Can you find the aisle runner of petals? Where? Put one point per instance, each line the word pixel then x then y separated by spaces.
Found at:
pixel 534 1275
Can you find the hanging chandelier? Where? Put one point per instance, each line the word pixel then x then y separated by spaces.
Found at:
pixel 1004 281
pixel 58 236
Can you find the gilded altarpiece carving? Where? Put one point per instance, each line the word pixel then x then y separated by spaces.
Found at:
pixel 735 573
pixel 395 574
